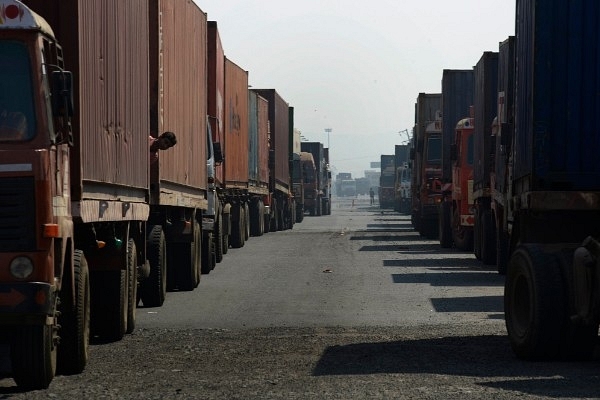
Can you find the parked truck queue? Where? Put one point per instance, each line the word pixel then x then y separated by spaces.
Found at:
pixel 91 226
pixel 503 165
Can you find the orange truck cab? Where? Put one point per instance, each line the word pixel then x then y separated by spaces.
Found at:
pixel 456 214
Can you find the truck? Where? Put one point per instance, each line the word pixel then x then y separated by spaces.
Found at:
pixel 502 133
pixel 426 158
pixel 551 287
pixel 280 206
pixel 401 169
pixel 218 213
pixel 298 176
pixel 485 108
pixel 455 216
pixel 95 219
pixel 386 191
pixel 309 185
pixel 317 189
pixel 327 185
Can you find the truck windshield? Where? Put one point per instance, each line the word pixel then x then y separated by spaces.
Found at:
pixel 17 122
pixel 434 149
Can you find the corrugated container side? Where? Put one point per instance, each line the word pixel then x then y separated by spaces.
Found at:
pixel 235 165
pixel 506 91
pixel 457 98
pixel 216 88
pixel 401 153
pixel 105 45
pixel 279 135
pixel 263 140
pixel 258 141
pixel 557 135
pixel 426 108
pixel 486 109
pixel 178 31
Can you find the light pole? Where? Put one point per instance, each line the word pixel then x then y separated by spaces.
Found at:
pixel 328 131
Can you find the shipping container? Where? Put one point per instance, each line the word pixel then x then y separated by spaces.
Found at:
pixel 485 99
pixel 110 127
pixel 457 98
pixel 258 151
pixel 178 30
pixel 235 145
pixel 216 90
pixel 279 138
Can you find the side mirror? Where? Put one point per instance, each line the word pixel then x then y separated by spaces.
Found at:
pixel 218 153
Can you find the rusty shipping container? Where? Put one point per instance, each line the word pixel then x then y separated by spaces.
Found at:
pixel 258 150
pixel 279 139
pixel 485 100
pixel 216 89
pixel 111 123
pixel 178 63
pixel 235 146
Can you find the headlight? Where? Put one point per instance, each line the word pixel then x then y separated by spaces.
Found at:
pixel 21 267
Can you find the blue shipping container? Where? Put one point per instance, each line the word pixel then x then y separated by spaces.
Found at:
pixel 557 135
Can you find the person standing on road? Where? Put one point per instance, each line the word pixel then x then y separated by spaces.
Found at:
pixel 372 194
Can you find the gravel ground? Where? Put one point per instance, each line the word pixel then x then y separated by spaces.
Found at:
pixel 426 362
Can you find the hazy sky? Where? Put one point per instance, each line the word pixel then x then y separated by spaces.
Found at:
pixel 357 67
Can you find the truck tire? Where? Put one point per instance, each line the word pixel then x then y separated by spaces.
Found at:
pixel 187 259
pixel 255 219
pixel 133 285
pixel 225 240
pixel 218 238
pixel 237 227
pixel 246 222
pixel 267 222
pixel 33 356
pixel 74 320
pixel 534 304
pixel 153 289
pixel 207 253
pixel 110 293
pixel 488 238
pixel 445 227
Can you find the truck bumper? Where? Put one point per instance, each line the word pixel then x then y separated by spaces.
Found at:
pixel 27 303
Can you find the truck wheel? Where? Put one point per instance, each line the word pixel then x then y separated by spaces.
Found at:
pixel 109 302
pixel 133 285
pixel 73 351
pixel 275 217
pixel 267 222
pixel 187 260
pixel 246 222
pixel 208 253
pixel 153 289
pixel 445 227
pixel 462 236
pixel 218 238
pixel 255 220
pixel 534 304
pixel 237 228
pixel 488 238
pixel 33 356
pixel 225 239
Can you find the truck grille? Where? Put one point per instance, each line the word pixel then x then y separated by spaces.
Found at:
pixel 17 214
